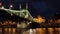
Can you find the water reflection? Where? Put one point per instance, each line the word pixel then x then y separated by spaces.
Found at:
pixel 40 31
pixel 7 30
pixel 47 30
pixel 35 31
pixel 50 30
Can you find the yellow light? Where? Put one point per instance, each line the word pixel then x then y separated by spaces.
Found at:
pixel 40 30
pixel 50 30
pixel 14 30
pixel 40 19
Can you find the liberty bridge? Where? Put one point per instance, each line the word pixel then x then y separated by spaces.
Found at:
pixel 24 13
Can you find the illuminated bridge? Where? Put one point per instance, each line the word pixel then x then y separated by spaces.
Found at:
pixel 22 21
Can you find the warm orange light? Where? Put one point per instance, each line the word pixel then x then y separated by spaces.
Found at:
pixel 40 19
pixel 13 30
pixel 58 21
pixel 50 30
pixel 40 30
pixel 9 30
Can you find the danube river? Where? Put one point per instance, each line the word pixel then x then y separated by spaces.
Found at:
pixel 34 31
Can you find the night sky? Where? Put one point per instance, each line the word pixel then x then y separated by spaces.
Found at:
pixel 45 8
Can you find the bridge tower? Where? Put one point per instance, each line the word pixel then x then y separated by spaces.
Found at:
pixel 21 13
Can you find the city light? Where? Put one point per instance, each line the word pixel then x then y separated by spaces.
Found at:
pixel 58 21
pixel 39 19
pixel 50 30
pixel 11 6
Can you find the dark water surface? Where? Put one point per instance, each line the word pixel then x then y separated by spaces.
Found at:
pixel 35 31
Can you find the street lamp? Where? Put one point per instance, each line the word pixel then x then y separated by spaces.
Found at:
pixel 2 7
pixel 10 6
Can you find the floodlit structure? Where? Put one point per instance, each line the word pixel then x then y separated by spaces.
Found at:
pixel 24 13
pixel 21 13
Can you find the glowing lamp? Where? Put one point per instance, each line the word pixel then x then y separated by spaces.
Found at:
pixel 11 6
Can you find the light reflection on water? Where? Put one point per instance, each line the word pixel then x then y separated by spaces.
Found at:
pixel 48 30
pixel 36 31
pixel 8 31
